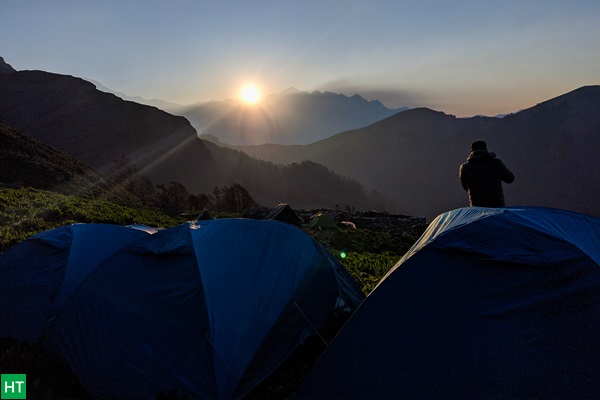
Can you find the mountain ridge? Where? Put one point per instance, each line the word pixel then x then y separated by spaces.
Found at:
pixel 24 161
pixel 48 106
pixel 6 68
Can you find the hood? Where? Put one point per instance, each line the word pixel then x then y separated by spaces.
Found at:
pixel 481 155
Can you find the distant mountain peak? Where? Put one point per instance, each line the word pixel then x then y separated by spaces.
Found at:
pixel 424 112
pixel 6 68
pixel 290 90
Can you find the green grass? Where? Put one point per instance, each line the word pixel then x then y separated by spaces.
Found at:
pixel 26 212
pixel 368 254
pixel 368 268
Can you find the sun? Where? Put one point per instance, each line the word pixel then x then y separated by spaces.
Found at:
pixel 250 94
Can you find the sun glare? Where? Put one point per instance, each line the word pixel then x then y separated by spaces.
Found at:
pixel 250 94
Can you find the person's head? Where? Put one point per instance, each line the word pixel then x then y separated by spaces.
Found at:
pixel 478 145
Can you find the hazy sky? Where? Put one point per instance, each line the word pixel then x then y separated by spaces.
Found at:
pixel 460 57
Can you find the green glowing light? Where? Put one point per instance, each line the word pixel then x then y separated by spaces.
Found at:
pixel 343 254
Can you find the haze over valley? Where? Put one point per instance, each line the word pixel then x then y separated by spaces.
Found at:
pixel 289 117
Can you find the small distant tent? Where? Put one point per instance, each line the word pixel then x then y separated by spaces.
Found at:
pixel 489 303
pixel 209 309
pixel 322 221
pixel 205 215
pixel 284 213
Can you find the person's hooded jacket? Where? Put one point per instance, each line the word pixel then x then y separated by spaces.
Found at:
pixel 482 176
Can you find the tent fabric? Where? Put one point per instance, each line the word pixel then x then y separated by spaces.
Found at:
pixel 209 309
pixel 489 303
pixel 284 213
pixel 322 221
pixel 40 273
pixel 204 216
pixel 544 234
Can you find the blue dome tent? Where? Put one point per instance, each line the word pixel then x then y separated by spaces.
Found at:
pixel 489 303
pixel 40 273
pixel 209 309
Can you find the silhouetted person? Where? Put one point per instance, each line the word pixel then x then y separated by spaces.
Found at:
pixel 482 176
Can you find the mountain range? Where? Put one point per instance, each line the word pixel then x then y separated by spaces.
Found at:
pixel 98 128
pixel 289 117
pixel 413 157
pixel 407 162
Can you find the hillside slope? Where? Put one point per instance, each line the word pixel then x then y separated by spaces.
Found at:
pixel 27 162
pixel 69 114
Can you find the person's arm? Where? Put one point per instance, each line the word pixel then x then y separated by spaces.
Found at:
pixel 506 175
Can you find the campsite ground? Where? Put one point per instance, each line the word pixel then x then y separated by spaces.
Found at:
pixel 367 254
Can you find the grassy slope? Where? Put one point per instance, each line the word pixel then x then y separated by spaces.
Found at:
pixel 25 161
pixel 25 212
